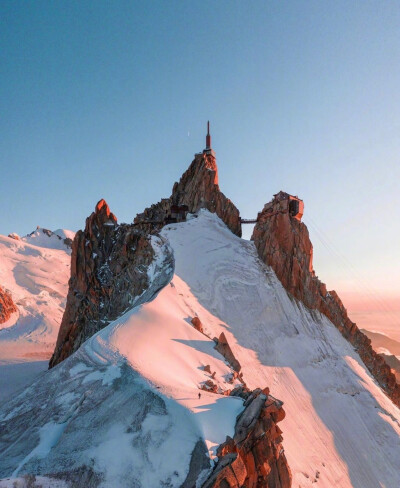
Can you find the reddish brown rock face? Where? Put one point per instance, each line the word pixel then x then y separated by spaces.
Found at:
pixel 254 458
pixel 283 243
pixel 108 264
pixel 7 306
pixel 198 188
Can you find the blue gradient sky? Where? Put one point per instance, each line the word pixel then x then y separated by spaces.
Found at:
pixel 110 99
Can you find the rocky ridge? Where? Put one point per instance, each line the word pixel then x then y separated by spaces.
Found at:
pixel 254 458
pixel 109 265
pixel 7 306
pixel 198 188
pixel 109 261
pixel 283 243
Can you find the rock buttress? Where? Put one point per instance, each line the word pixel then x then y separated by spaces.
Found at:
pixel 7 306
pixel 108 270
pixel 198 188
pixel 254 458
pixel 283 243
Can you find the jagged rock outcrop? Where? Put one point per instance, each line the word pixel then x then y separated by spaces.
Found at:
pixel 254 458
pixel 153 218
pixel 283 243
pixel 109 265
pixel 198 188
pixel 223 347
pixel 196 322
pixel 7 306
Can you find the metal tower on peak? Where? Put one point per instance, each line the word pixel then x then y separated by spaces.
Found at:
pixel 208 149
pixel 208 136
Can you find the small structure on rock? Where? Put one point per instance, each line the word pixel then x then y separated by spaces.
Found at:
pixel 281 203
pixel 289 203
pixel 178 213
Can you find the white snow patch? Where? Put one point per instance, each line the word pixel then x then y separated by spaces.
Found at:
pixel 50 434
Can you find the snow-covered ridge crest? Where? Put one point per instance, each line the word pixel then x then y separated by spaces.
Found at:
pixel 41 237
pixel 158 420
pixel 148 365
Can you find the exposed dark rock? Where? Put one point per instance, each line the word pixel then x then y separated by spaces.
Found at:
pixel 283 243
pixel 154 217
pixel 209 386
pixel 198 462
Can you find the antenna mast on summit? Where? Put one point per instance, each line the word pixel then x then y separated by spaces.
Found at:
pixel 208 136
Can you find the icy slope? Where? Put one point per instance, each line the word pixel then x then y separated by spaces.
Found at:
pixel 124 409
pixel 340 428
pixel 36 273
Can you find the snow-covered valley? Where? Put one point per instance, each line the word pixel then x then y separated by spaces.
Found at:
pixel 35 269
pixel 124 409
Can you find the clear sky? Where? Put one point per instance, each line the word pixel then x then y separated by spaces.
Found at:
pixel 110 100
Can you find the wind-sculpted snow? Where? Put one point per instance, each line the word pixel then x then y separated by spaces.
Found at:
pixel 124 409
pixel 93 420
pixel 340 428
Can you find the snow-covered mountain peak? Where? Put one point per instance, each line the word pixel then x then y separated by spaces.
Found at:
pixel 36 278
pixel 59 239
pixel 189 335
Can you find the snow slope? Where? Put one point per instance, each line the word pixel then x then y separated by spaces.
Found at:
pixel 125 406
pixel 340 428
pixel 35 270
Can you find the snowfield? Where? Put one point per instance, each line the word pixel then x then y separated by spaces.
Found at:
pixel 124 409
pixel 36 271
